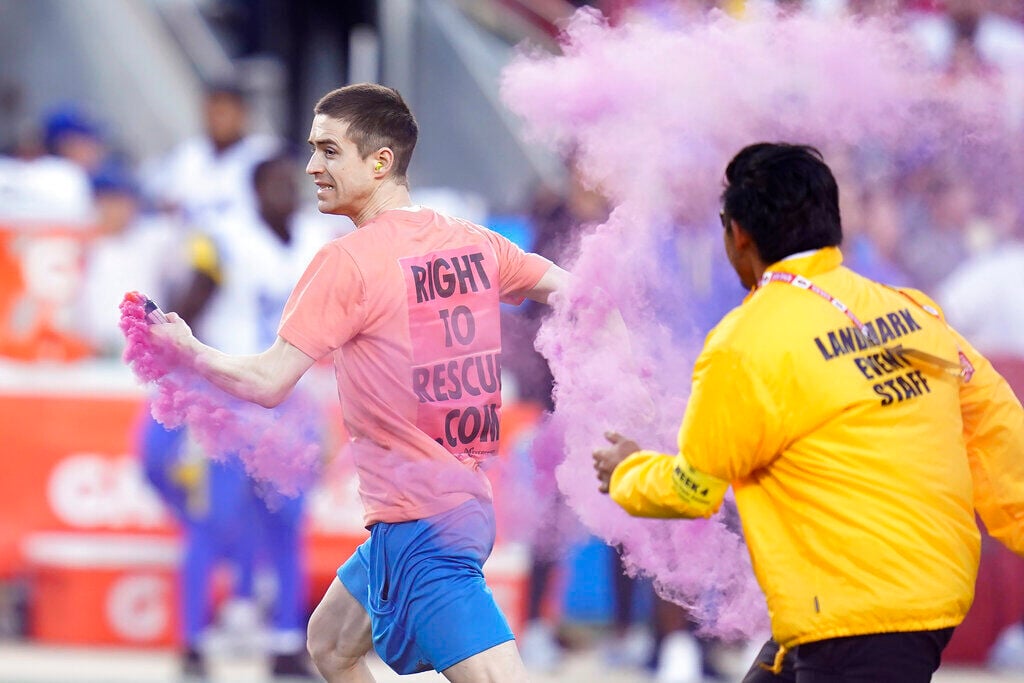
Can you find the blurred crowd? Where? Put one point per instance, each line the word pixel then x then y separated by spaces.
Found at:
pixel 218 228
pixel 910 221
pixel 65 165
pixel 215 230
pixel 108 222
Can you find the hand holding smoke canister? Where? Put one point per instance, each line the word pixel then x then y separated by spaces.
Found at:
pixel 153 312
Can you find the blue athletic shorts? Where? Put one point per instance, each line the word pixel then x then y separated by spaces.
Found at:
pixel 423 586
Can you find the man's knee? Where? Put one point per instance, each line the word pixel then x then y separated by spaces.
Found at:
pixel 338 635
pixel 321 642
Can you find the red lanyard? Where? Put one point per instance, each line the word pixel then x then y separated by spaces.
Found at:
pixel 965 370
pixel 868 334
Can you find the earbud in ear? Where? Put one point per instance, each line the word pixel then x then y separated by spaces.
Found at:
pixel 380 165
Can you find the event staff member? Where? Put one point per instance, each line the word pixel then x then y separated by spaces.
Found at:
pixel 850 421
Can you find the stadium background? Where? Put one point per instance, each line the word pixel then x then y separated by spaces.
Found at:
pixel 87 553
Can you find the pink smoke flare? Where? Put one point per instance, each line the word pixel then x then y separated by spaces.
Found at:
pixel 279 447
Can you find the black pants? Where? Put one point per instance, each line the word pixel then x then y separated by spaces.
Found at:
pixel 910 657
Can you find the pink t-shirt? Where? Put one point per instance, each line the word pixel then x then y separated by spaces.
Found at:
pixel 409 306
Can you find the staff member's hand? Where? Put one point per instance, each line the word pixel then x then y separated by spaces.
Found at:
pixel 607 459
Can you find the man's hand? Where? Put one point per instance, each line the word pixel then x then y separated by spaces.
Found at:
pixel 175 332
pixel 607 459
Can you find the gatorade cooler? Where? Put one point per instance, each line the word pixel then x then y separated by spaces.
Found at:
pixel 103 589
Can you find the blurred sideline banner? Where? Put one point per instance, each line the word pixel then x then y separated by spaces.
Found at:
pixel 41 274
pixel 998 603
pixel 79 523
pixel 99 553
pixel 70 463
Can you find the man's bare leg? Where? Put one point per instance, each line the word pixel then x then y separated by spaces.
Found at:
pixel 499 664
pixel 339 637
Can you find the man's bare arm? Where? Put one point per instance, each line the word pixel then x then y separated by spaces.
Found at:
pixel 553 280
pixel 264 378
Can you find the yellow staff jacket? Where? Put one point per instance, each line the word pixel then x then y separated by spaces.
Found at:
pixel 852 464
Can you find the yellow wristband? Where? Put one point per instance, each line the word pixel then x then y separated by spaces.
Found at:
pixel 698 490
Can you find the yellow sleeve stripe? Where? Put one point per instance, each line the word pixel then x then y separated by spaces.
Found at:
pixel 699 491
pixel 202 254
pixel 651 484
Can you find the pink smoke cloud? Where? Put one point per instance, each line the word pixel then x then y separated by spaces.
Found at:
pixel 653 110
pixel 279 447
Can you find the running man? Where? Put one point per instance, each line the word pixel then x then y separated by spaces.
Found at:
pixel 408 306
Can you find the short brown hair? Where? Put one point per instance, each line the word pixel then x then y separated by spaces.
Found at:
pixel 377 116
